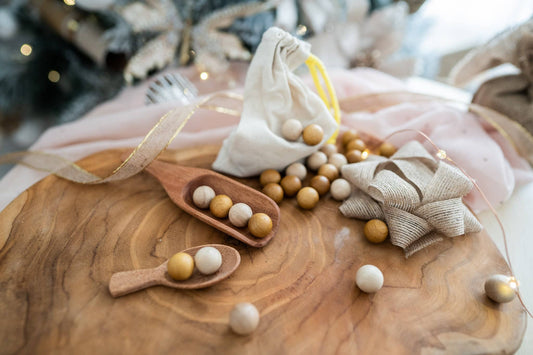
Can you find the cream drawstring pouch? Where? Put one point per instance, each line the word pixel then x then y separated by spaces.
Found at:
pixel 274 94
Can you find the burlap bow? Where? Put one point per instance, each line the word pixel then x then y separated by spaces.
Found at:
pixel 419 198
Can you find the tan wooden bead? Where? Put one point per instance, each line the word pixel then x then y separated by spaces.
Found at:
pixel 269 176
pixel 220 206
pixel 354 156
pixel 291 185
pixel 316 160
pixel 320 184
pixel 349 135
pixel 329 149
pixel 260 225
pixel 307 198
pixel 329 171
pixel 274 191
pixel 376 231
pixel 313 134
pixel 297 169
pixel 387 150
pixel 356 144
pixel 180 266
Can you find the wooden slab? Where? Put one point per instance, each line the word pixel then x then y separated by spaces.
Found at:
pixel 61 242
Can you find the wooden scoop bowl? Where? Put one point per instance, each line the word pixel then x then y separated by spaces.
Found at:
pixel 181 181
pixel 125 282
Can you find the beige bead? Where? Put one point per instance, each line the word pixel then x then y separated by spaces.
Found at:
pixel 291 185
pixel 320 184
pixel 354 156
pixel 307 198
pixel 240 214
pixel 340 189
pixel 369 278
pixel 297 169
pixel 269 176
pixel 338 160
pixel 316 160
pixel 274 191
pixel 291 129
pixel 498 289
pixel 202 196
pixel 329 171
pixel 356 144
pixel 220 206
pixel 260 225
pixel 349 135
pixel 244 318
pixel 329 149
pixel 180 266
pixel 386 149
pixel 376 231
pixel 208 260
pixel 313 134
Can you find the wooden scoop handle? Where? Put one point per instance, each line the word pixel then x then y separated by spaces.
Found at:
pixel 125 282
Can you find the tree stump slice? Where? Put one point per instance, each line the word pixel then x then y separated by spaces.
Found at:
pixel 61 242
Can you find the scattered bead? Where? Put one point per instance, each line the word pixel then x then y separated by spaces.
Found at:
pixel 338 160
pixel 291 185
pixel 340 189
pixel 329 149
pixel 269 176
pixel 369 278
pixel 354 156
pixel 180 266
pixel 244 318
pixel 274 191
pixel 498 289
pixel 297 169
pixel 220 206
pixel 356 144
pixel 239 214
pixel 307 198
pixel 291 129
pixel 376 231
pixel 320 184
pixel 260 225
pixel 386 149
pixel 202 196
pixel 329 171
pixel 313 134
pixel 349 136
pixel 316 160
pixel 208 260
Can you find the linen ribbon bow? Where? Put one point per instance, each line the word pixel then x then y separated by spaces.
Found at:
pixel 419 198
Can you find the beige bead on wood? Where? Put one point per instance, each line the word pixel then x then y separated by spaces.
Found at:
pixel 338 160
pixel 340 189
pixel 316 160
pixel 239 214
pixel 498 289
pixel 202 196
pixel 244 318
pixel 328 149
pixel 313 134
pixel 291 129
pixel 208 260
pixel 220 206
pixel 297 169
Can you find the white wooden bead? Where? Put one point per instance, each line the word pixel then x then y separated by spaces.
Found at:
pixel 338 160
pixel 369 278
pixel 498 289
pixel 208 260
pixel 297 169
pixel 316 160
pixel 340 189
pixel 240 214
pixel 202 196
pixel 329 149
pixel 244 318
pixel 291 129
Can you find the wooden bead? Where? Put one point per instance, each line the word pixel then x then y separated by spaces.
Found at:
pixel 307 198
pixel 260 225
pixel 239 214
pixel 369 278
pixel 386 149
pixel 329 171
pixel 316 160
pixel 291 185
pixel 338 160
pixel 498 289
pixel 376 231
pixel 291 129
pixel 297 169
pixel 220 206
pixel 202 196
pixel 180 266
pixel 274 191
pixel 349 135
pixel 244 318
pixel 208 260
pixel 313 134
pixel 356 144
pixel 354 156
pixel 340 189
pixel 320 184
pixel 269 176
pixel 329 149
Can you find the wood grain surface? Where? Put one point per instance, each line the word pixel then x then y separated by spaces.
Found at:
pixel 61 242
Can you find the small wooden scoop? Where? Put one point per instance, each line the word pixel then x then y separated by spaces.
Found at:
pixel 125 282
pixel 181 181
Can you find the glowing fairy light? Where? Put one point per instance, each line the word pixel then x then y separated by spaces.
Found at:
pixel 70 2
pixel 204 75
pixel 26 49
pixel 54 76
